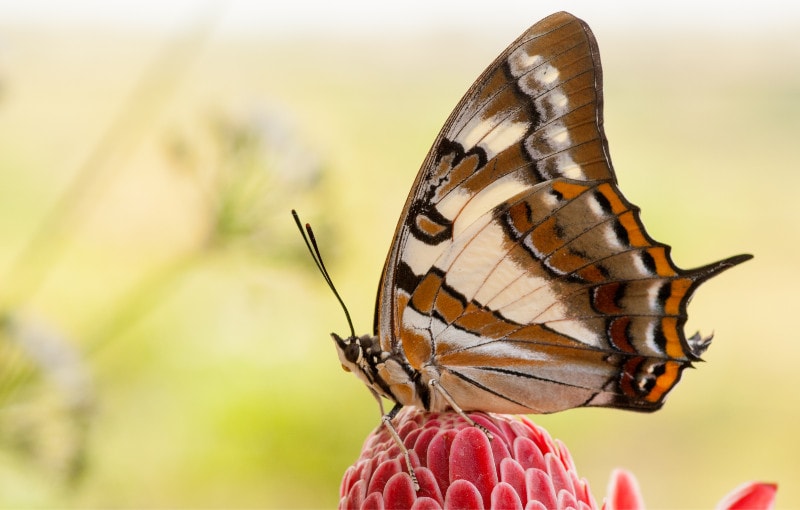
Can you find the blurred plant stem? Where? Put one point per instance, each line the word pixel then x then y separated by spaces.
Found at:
pixel 132 307
pixel 148 97
pixel 43 379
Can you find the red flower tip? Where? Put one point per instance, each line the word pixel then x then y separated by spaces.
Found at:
pixel 623 492
pixel 751 495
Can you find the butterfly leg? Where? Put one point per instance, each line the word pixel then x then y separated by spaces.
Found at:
pixel 386 419
pixel 387 422
pixel 443 392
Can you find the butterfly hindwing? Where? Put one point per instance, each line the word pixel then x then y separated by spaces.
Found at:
pixel 553 301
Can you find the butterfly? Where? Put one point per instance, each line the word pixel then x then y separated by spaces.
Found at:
pixel 520 279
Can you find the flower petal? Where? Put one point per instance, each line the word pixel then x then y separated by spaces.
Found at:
pixel 566 499
pixel 560 477
pixel 355 496
pixel 511 472
pixel 426 504
pixel 540 488
pixel 471 459
pixel 423 441
pixel 623 492
pixel 399 492
pixel 373 502
pixel 461 494
pixel 528 454
pixel 484 421
pixel 582 491
pixel 382 474
pixel 536 505
pixel 505 497
pixel 751 495
pixel 428 487
pixel 438 457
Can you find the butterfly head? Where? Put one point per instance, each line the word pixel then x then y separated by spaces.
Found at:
pixel 362 355
pixel 357 354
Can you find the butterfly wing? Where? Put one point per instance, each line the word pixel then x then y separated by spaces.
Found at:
pixel 519 275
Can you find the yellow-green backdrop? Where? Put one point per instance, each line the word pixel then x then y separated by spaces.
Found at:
pixel 165 336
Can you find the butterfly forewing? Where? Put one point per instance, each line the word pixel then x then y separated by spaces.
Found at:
pixel 519 276
pixel 496 144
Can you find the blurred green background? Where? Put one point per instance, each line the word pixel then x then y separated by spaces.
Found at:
pixel 165 335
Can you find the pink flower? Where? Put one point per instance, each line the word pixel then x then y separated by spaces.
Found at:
pixel 458 467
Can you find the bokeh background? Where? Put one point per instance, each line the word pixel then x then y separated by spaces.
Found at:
pixel 164 334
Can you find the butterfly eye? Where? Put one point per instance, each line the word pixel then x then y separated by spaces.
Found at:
pixel 352 352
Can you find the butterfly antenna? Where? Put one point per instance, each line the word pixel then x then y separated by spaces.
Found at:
pixel 313 249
